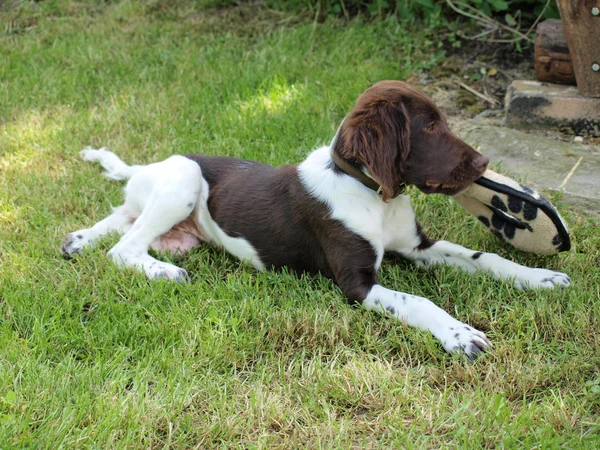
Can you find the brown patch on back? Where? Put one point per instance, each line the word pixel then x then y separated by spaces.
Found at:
pixel 270 208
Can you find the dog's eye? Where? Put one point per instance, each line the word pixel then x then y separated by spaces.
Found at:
pixel 430 127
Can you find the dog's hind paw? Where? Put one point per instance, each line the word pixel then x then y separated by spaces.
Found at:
pixel 167 271
pixel 73 244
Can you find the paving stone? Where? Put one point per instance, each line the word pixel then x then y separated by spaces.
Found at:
pixel 536 105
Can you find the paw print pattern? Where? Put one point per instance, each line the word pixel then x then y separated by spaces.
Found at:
pixel 502 221
pixel 515 204
pixel 511 211
pixel 498 203
pixel 504 225
pixel 557 240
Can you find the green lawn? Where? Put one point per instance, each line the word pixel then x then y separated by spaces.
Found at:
pixel 91 356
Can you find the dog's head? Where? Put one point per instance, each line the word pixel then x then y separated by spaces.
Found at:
pixel 400 136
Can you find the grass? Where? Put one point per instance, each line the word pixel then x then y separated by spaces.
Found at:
pixel 93 357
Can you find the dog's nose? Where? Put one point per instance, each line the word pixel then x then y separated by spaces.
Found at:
pixel 480 163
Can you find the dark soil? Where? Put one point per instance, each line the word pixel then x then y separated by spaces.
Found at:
pixel 503 56
pixel 486 67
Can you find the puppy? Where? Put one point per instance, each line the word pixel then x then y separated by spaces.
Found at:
pixel 336 213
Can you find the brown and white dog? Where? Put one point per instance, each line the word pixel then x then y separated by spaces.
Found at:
pixel 336 213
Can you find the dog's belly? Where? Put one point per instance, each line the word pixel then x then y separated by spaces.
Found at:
pixel 200 227
pixel 190 233
pixel 182 237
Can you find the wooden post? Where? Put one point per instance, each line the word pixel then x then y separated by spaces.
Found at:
pixel 552 59
pixel 581 22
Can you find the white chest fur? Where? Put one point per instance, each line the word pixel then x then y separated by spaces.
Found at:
pixel 358 208
pixel 385 226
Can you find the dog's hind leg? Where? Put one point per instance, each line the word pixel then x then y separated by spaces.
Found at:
pixel 116 169
pixel 120 221
pixel 165 194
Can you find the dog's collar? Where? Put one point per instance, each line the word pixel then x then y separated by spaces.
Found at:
pixel 355 172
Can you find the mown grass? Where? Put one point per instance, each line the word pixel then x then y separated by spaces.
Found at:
pixel 91 356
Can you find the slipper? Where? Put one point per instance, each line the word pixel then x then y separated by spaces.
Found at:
pixel 516 214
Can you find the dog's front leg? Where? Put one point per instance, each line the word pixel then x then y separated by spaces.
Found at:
pixel 354 265
pixel 444 252
pixel 415 311
pixel 422 313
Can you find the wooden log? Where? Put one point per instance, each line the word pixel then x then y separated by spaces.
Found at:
pixel 581 22
pixel 552 58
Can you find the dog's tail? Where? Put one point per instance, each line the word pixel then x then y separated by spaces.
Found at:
pixel 115 167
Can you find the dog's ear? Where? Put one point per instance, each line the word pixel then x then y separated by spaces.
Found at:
pixel 378 137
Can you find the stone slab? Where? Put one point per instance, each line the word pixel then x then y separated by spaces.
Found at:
pixel 540 162
pixel 537 105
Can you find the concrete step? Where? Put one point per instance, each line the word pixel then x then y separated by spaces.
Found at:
pixel 545 106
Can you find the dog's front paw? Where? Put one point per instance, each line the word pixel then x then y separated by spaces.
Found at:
pixel 167 271
pixel 460 337
pixel 73 244
pixel 541 278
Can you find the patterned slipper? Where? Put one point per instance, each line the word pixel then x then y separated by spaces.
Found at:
pixel 516 214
